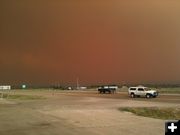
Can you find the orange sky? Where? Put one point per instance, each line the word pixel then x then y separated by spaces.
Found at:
pixel 100 41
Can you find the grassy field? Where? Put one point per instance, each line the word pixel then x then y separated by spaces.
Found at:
pixel 154 112
pixel 22 97
pixel 169 90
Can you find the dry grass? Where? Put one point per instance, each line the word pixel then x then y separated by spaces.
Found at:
pixel 154 112
pixel 170 90
pixel 22 97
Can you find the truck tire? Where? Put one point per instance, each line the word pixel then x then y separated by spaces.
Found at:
pixel 132 95
pixel 148 96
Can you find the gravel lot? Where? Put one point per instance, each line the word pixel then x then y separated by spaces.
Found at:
pixel 80 113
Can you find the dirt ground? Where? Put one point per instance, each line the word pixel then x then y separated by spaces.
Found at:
pixel 80 113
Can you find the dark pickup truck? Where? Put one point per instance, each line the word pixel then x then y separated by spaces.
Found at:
pixel 109 89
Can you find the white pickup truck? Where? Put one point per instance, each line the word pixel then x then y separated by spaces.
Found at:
pixel 142 91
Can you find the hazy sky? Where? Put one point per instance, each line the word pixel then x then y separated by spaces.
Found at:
pixel 99 41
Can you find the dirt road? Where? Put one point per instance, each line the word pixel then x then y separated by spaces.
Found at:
pixel 80 113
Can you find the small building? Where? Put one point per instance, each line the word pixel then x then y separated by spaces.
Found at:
pixel 82 88
pixel 5 87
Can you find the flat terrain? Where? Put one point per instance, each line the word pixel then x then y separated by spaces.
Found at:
pixel 80 113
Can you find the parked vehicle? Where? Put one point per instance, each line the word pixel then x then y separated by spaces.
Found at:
pixel 109 89
pixel 142 92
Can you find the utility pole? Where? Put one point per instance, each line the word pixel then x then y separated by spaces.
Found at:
pixel 77 83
